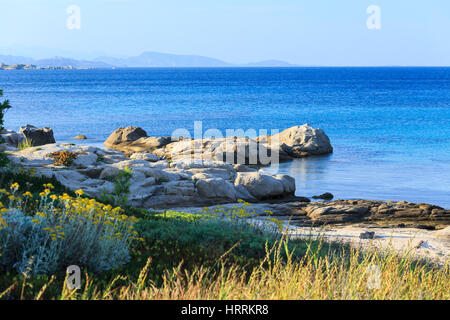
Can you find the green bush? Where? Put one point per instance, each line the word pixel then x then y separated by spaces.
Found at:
pixel 3 107
pixel 121 192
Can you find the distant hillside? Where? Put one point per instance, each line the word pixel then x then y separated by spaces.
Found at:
pixel 62 62
pixel 145 60
pixel 156 59
pixel 10 60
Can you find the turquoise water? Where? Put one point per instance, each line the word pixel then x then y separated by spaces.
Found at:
pixel 390 127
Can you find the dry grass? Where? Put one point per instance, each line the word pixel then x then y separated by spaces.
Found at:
pixel 352 275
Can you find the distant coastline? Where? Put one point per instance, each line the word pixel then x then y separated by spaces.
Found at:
pixel 33 67
pixel 144 60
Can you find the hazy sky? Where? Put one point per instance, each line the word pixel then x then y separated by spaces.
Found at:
pixel 304 32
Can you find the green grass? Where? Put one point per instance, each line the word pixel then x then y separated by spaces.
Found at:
pixel 25 144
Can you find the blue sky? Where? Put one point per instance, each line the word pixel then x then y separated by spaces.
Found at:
pixel 313 32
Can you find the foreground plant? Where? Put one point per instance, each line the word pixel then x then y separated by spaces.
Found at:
pixel 62 231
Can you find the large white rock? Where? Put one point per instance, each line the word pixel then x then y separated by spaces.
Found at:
pixel 216 189
pixel 12 138
pixel 162 164
pixel 145 156
pixel 300 141
pixel 186 164
pixel 288 183
pixel 70 178
pixel 131 164
pixel 233 150
pixel 109 172
pixel 85 160
pixel 212 173
pixel 259 185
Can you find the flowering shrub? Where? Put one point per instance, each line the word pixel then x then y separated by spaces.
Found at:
pixel 63 231
pixel 63 158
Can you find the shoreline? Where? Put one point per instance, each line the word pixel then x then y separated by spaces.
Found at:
pixel 168 173
pixel 99 144
pixel 189 185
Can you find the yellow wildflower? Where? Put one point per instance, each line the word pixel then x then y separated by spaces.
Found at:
pixel 14 186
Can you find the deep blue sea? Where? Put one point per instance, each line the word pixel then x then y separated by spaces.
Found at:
pixel 390 127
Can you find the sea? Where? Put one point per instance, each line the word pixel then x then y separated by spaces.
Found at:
pixel 390 126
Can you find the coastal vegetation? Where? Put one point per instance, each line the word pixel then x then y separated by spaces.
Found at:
pixel 173 255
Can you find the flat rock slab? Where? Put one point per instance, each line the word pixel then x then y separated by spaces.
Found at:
pixel 300 213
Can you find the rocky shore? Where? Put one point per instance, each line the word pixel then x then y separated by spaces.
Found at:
pixel 187 175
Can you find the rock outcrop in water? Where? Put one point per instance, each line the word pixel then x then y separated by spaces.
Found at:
pixel 300 141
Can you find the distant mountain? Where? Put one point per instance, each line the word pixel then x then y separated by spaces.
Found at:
pixel 7 59
pixel 156 59
pixel 270 63
pixel 145 60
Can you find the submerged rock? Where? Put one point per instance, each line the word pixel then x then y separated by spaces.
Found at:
pixel 325 196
